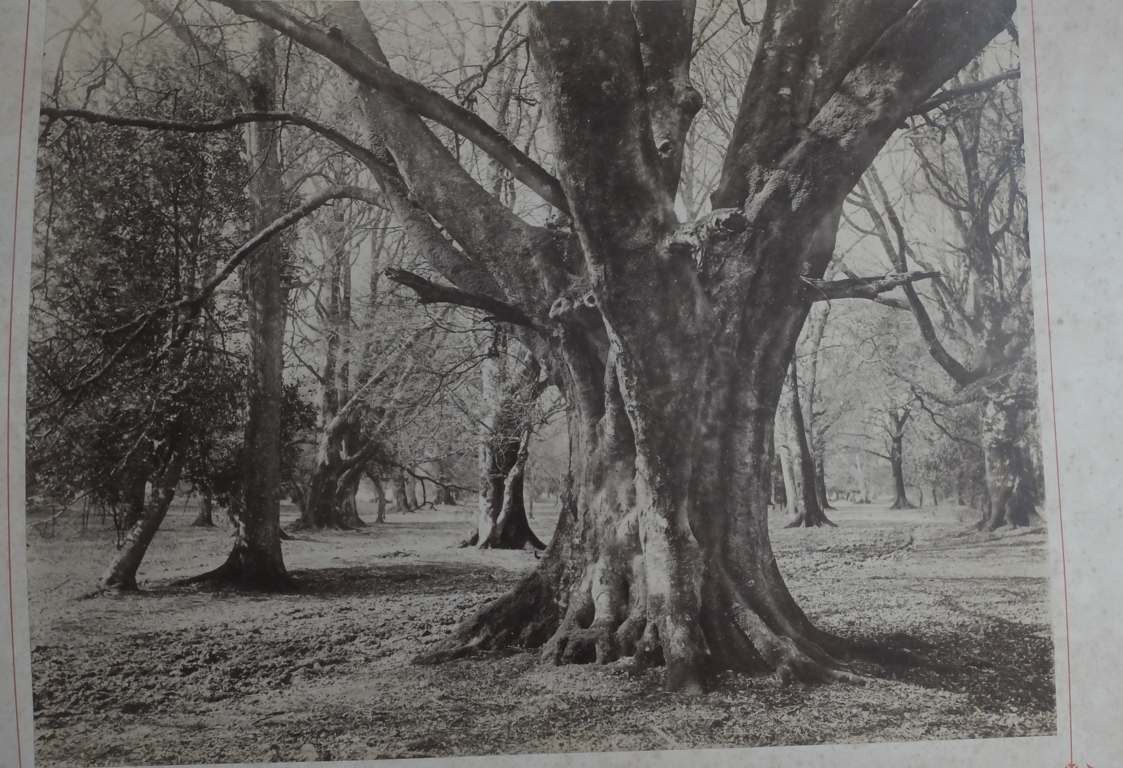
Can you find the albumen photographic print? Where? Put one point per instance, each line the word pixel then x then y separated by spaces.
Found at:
pixel 592 381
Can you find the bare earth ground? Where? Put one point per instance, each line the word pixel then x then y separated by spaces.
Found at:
pixel 189 675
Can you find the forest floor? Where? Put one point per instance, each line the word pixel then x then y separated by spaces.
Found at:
pixel 189 675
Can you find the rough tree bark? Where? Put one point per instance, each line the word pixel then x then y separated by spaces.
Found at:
pixel 1009 472
pixel 671 342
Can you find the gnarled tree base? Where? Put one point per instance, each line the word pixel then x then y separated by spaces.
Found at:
pixel 603 615
pixel 245 570
pixel 809 519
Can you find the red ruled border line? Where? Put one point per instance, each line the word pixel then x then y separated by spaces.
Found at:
pixel 8 382
pixel 1052 377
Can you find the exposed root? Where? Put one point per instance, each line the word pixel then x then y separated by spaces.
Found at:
pixel 806 520
pixel 524 617
pixel 232 573
pixel 791 658
pixel 301 525
pixel 606 619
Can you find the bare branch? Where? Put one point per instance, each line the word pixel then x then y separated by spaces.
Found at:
pixel 425 102
pixel 429 292
pixel 863 287
pixel 951 94
pixel 337 137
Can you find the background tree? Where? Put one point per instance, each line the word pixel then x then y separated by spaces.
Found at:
pixel 969 152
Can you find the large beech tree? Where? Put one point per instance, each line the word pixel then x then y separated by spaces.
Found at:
pixel 671 340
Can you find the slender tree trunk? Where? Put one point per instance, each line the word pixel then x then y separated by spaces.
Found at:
pixel 896 460
pixel 788 487
pixel 807 512
pixel 379 499
pixel 821 484
pixel 121 573
pixel 255 561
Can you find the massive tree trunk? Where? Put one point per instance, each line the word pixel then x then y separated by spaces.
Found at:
pixel 121 573
pixel 804 504
pixel 1009 471
pixel 341 459
pixel 671 342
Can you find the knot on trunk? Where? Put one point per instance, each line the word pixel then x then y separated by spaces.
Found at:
pixel 695 239
pixel 576 306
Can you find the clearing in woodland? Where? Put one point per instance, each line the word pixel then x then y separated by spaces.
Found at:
pixel 176 675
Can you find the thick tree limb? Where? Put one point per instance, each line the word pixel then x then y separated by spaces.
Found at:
pixel 429 292
pixel 951 94
pixel 425 102
pixel 503 256
pixel 862 287
pixel 665 47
